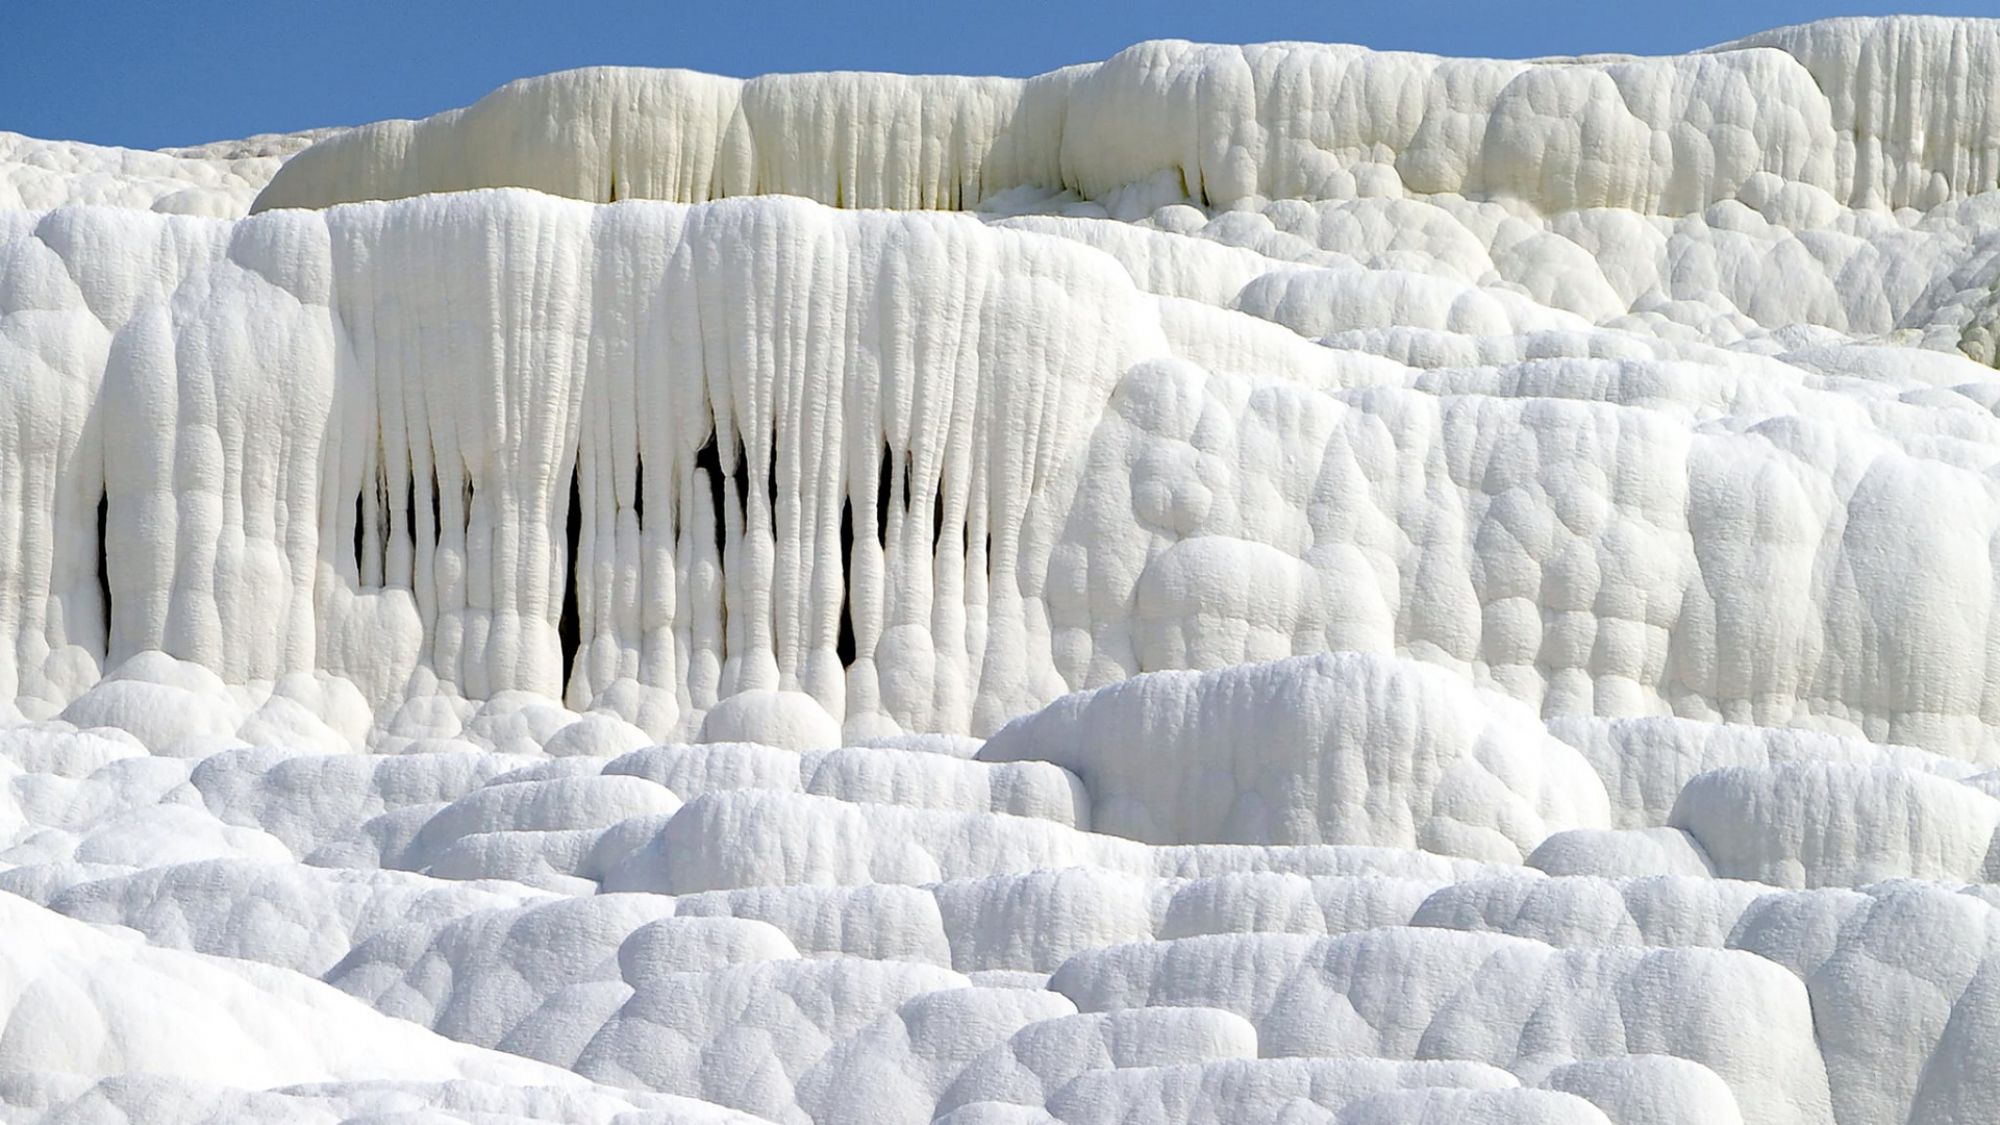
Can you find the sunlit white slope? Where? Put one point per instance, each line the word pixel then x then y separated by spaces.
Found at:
pixel 88 1014
pixel 219 179
pixel 932 474
pixel 1883 112
pixel 1230 584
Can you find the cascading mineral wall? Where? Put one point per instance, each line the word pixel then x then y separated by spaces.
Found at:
pixel 1335 585
pixel 1893 113
pixel 345 443
pixel 932 474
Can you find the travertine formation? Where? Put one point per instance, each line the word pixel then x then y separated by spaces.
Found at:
pixel 1233 584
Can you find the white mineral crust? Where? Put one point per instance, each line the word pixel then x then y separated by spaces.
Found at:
pixel 1233 584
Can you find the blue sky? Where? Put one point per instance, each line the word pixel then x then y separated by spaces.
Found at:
pixel 162 72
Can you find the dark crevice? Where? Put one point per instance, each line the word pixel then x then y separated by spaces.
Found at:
pixel 771 483
pixel 844 645
pixel 569 630
pixel 708 459
pixel 410 508
pixel 375 491
pixel 639 493
pixel 937 518
pixel 466 510
pixel 104 567
pixel 882 497
pixel 740 471
pixel 907 459
pixel 360 514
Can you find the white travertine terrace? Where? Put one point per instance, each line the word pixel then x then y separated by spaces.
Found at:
pixel 219 180
pixel 1231 584
pixel 1890 113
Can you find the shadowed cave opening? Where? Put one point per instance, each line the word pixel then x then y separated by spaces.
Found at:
pixel 639 491
pixel 708 460
pixel 104 567
pixel 410 511
pixel 739 467
pixel 843 644
pixel 882 477
pixel 371 569
pixel 569 627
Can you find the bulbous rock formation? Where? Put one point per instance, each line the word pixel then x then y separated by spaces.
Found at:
pixel 1232 583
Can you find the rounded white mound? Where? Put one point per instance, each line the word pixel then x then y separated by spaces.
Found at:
pixel 1339 748
pixel 1332 587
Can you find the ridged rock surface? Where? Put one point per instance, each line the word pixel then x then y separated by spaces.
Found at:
pixel 1233 584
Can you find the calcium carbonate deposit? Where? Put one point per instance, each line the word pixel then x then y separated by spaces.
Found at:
pixel 1232 584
